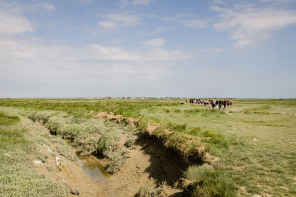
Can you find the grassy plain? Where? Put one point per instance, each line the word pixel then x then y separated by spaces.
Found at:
pixel 255 139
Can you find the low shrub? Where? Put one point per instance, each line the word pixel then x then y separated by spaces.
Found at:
pixel 149 190
pixel 129 142
pixel 89 146
pixel 107 143
pixel 64 150
pixel 41 116
pixel 116 161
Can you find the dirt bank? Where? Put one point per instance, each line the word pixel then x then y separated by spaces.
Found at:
pixel 149 163
pixel 58 167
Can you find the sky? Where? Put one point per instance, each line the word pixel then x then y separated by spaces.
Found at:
pixel 156 48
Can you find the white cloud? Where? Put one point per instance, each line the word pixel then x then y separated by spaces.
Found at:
pixel 137 2
pixel 250 26
pixel 142 2
pixel 116 20
pixel 15 7
pixel 157 42
pixel 107 24
pixel 11 24
pixel 190 23
pixel 30 63
pixel 221 2
pixel 196 23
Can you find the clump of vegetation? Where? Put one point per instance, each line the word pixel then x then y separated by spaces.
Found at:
pixel 107 142
pixel 186 145
pixel 166 111
pixel 90 146
pixel 214 138
pixel 8 120
pixel 177 111
pixel 129 142
pixel 143 125
pixel 195 132
pixel 177 127
pixel 41 116
pixel 64 150
pixel 116 161
pixel 207 182
pixel 75 129
pixel 149 190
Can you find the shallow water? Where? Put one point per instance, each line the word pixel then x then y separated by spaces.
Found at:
pixel 93 168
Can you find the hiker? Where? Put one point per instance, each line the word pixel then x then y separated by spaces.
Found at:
pixel 213 104
pixel 224 104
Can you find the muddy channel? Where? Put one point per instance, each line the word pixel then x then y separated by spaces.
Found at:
pixel 95 170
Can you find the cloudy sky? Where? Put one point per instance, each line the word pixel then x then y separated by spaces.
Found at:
pixel 184 48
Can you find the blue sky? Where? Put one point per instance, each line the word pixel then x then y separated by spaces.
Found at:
pixel 183 48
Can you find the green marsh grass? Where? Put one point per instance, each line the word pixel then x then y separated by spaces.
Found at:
pixel 17 176
pixel 259 154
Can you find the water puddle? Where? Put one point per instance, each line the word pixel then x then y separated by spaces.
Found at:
pixel 93 168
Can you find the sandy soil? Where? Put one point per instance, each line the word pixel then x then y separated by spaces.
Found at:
pixel 69 173
pixel 148 163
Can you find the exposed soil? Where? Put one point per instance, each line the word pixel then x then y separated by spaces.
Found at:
pixel 149 162
pixel 68 173
pixel 107 116
pixel 200 156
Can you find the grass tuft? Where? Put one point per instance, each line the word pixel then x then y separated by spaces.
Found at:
pixel 8 120
pixel 207 182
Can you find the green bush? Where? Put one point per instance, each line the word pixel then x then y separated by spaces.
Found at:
pixel 205 181
pixel 90 146
pixel 41 116
pixel 116 161
pixel 107 143
pixel 129 142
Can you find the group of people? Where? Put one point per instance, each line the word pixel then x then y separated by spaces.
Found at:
pixel 212 103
